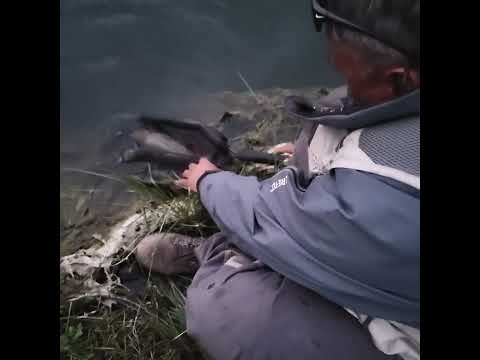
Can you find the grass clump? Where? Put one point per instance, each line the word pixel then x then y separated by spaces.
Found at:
pixel 144 318
pixel 147 327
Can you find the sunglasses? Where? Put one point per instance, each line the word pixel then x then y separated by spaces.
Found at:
pixel 321 15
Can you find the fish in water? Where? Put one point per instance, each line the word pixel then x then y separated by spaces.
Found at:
pixel 158 142
pixel 172 144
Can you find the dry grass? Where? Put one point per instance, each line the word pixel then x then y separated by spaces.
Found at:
pixel 147 327
pixel 148 323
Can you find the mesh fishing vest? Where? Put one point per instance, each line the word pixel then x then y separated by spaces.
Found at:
pixel 387 145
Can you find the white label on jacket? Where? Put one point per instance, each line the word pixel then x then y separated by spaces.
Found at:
pixel 278 183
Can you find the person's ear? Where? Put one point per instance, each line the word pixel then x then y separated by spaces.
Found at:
pixel 402 80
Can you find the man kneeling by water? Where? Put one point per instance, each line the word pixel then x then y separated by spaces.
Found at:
pixel 322 260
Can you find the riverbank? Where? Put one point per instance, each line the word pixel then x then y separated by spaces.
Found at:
pixel 110 308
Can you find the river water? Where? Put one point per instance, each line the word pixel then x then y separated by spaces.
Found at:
pixel 124 56
pixel 154 56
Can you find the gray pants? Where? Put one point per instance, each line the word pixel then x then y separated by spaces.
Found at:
pixel 237 308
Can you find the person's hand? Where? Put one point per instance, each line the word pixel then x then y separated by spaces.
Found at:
pixel 283 148
pixel 192 174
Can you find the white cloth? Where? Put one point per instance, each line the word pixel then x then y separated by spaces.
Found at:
pixel 392 338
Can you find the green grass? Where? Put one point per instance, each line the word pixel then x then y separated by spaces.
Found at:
pixel 152 325
pixel 148 327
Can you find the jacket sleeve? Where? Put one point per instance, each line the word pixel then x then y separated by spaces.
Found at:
pixel 332 237
pixel 230 200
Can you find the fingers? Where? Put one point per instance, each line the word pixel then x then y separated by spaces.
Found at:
pixel 288 148
pixel 182 183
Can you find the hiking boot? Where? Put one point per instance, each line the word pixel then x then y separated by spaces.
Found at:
pixel 168 253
